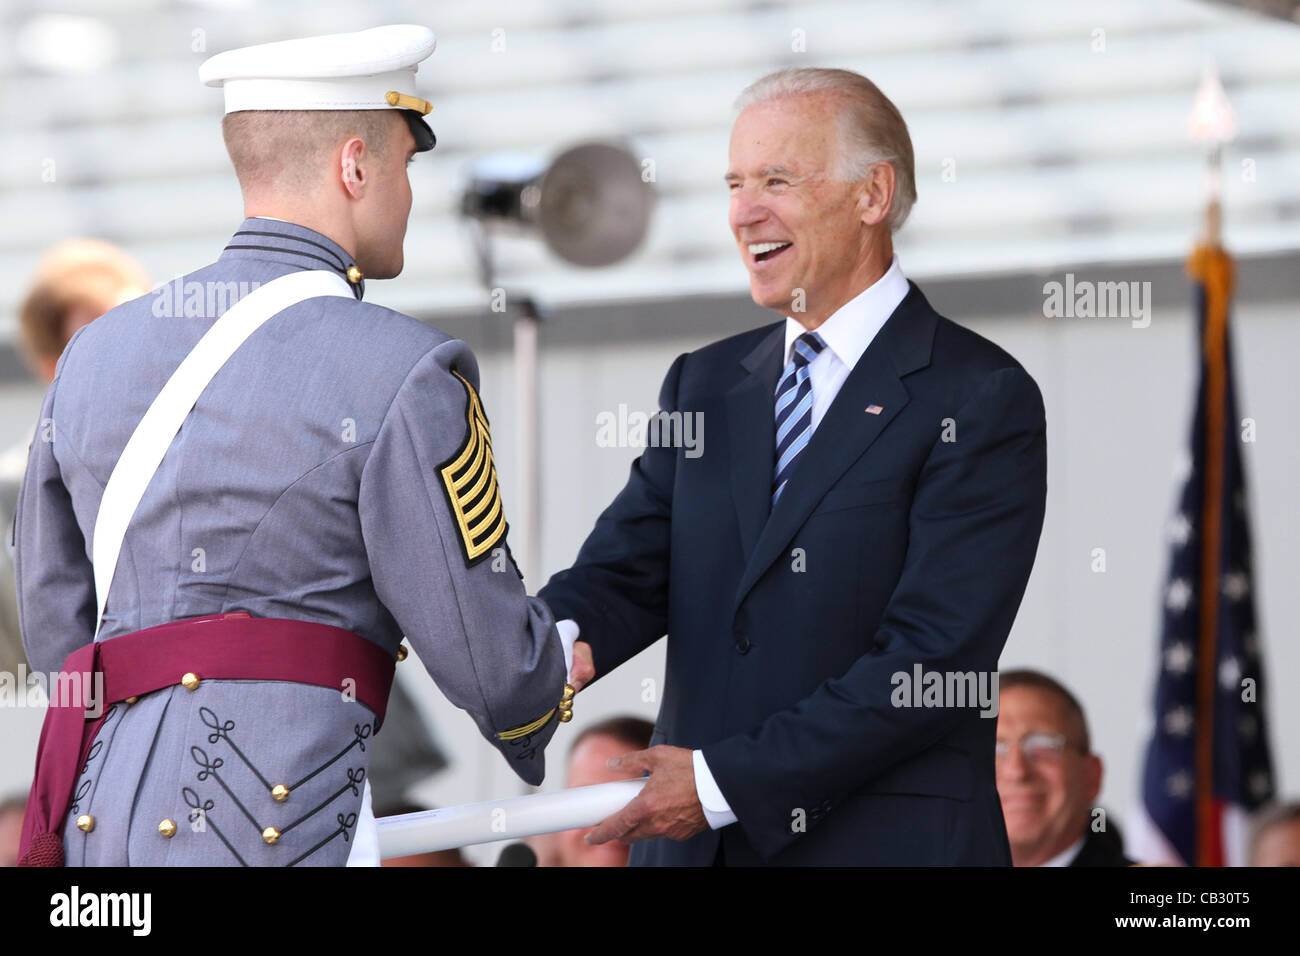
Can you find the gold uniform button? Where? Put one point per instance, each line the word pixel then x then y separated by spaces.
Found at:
pixel 85 823
pixel 271 835
pixel 354 275
pixel 132 700
pixel 190 681
pixel 280 792
pixel 167 828
pixel 402 651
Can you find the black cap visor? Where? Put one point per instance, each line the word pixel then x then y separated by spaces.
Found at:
pixel 424 138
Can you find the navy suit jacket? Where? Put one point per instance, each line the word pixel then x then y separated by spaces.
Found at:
pixel 905 537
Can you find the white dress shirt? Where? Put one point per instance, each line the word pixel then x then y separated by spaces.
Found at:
pixel 1066 856
pixel 847 333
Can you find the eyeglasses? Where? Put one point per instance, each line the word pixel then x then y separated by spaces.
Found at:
pixel 1035 748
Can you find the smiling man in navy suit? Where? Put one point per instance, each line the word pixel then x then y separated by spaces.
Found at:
pixel 837 573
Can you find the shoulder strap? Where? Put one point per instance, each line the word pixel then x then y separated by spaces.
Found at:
pixel 153 436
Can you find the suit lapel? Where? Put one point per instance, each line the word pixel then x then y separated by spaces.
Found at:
pixel 845 432
pixel 752 430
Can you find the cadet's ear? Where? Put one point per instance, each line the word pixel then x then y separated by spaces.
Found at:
pixel 352 172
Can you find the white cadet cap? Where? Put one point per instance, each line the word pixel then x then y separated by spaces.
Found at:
pixel 367 70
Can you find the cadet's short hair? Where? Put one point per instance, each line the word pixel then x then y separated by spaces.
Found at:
pixel 1037 680
pixel 872 130
pixel 275 148
pixel 633 731
pixel 75 274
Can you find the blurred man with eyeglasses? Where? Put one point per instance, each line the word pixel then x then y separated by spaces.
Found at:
pixel 1048 777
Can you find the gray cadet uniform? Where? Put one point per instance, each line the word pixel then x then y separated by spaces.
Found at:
pixel 307 483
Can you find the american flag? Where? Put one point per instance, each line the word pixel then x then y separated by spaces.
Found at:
pixel 1208 763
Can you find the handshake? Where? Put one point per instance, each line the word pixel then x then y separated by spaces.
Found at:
pixel 668 805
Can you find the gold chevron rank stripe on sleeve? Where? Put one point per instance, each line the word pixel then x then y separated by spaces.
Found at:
pixel 470 480
pixel 527 729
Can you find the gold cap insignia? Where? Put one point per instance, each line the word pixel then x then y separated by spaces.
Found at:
pixel 405 102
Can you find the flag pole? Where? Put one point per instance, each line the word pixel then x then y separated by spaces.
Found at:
pixel 1211 122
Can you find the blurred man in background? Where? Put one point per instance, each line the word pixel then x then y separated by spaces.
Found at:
pixel 1048 777
pixel 76 282
pixel 1276 839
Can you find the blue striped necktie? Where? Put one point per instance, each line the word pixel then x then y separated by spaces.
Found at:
pixel 794 410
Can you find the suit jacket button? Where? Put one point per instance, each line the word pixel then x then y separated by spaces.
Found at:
pixel 743 645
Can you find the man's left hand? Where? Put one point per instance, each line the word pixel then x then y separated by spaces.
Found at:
pixel 667 805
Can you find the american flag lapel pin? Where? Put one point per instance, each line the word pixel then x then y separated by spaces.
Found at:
pixel 874 409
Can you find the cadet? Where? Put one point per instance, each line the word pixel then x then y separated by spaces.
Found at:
pixel 279 515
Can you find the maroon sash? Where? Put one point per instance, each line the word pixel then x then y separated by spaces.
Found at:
pixel 223 647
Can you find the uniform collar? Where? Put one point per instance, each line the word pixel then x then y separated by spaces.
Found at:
pixel 261 237
pixel 853 325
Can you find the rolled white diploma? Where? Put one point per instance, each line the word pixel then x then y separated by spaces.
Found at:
pixel 511 819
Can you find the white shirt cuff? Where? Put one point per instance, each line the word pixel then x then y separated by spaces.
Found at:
pixel 716 809
pixel 568 630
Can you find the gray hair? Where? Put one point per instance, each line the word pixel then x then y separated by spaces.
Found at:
pixel 872 130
